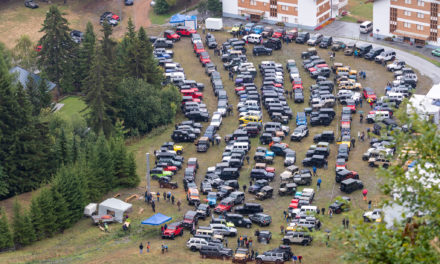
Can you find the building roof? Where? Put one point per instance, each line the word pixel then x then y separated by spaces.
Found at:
pixel 434 93
pixel 22 76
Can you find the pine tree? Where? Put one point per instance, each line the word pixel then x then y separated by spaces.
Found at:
pixel 98 98
pixel 132 177
pixel 4 186
pixel 5 233
pixel 102 167
pixel 74 150
pixel 46 203
pixel 36 218
pixel 33 95
pixel 86 53
pixel 63 151
pixel 23 231
pixel 57 46
pixel 60 210
pixel 69 183
pixel 151 72
pixel 161 7
pixel 45 97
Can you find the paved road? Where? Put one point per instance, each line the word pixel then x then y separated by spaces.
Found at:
pixel 425 67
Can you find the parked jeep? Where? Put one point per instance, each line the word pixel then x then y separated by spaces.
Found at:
pixel 298 238
pixel 287 189
pixel 165 182
pixel 241 255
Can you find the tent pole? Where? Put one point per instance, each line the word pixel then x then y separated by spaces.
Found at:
pixel 147 175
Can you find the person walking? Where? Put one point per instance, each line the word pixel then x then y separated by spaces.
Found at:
pixel 163 249
pixel 179 203
pixel 153 206
pixel 318 183
pixel 360 102
pixel 343 222
pixel 285 214
pixel 169 196
pixel 226 242
pixel 347 223
pixel 158 196
pixel 164 196
pixel 368 132
pixel 323 211
pixel 162 229
pixel 148 247
pixel 294 258
pixel 147 197
pixel 244 188
pixel 172 199
pixel 359 135
pixel 238 241
pixel 362 136
pixel 361 117
pixel 300 259
pixel 364 193
pixel 141 248
pixel 369 205
pixel 250 242
pixel 282 229
pixel 371 103
pixel 247 159
pixel 247 244
pixel 314 170
pixel 353 142
pixel 252 254
pixel 330 212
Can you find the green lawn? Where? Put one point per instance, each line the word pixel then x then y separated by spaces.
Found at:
pixel 158 19
pixel 73 105
pixel 349 19
pixel 358 10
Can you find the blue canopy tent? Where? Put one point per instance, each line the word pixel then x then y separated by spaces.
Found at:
pixel 189 21
pixel 156 219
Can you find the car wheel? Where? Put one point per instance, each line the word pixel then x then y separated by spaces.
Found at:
pixel 161 186
pixel 248 226
pixel 193 249
pixel 179 152
pixel 172 237
pixel 385 166
pixel 286 242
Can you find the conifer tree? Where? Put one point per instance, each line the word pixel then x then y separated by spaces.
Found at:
pixel 152 73
pixel 23 231
pixel 86 53
pixel 5 232
pixel 63 151
pixel 98 97
pixel 46 203
pixel 36 218
pixel 57 46
pixel 74 150
pixel 102 168
pixel 60 210
pixel 4 186
pixel 33 92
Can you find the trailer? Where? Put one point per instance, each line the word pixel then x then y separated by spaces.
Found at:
pixel 214 24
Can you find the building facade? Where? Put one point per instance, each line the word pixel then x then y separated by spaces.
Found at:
pixel 412 21
pixel 298 13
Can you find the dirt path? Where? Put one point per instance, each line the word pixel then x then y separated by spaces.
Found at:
pixel 141 9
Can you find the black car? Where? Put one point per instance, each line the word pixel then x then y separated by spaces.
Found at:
pixel 183 136
pixel 203 211
pixel 261 174
pixel 198 116
pixel 205 187
pixel 298 96
pixel 351 185
pixel 315 161
pixel 302 37
pixel 30 4
pixel 248 208
pixel 325 136
pixel 215 252
pixel 238 220
pixel 128 2
pixel 273 43
pixel 263 236
pixel 326 42
pixel 77 36
pixel 372 54
pixel 256 187
pixel 261 219
pixel 261 50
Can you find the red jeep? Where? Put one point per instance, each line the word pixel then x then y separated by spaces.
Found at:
pixel 173 230
pixel 204 58
pixel 369 94
pixel 166 167
pixel 193 92
pixel 297 84
pixel 185 31
pixel 279 33
pixel 294 203
pixel 198 48
pixel 224 206
pixel 170 35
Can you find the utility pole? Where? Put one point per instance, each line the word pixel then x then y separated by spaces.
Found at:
pixel 147 175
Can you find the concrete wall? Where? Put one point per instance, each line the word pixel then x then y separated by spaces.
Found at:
pixel 230 7
pixel 308 18
pixel 381 17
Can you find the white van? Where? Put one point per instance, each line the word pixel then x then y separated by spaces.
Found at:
pixel 203 231
pixel 253 38
pixel 309 209
pixel 395 97
pixel 366 27
pixel 377 116
pixel 241 146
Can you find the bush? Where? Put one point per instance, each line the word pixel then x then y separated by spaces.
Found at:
pixel 161 7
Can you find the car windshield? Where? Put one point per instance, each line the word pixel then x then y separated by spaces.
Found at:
pixel 290 155
pixel 210 196
pixel 224 203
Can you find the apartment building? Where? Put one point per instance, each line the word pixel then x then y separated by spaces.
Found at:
pixel 307 14
pixel 412 21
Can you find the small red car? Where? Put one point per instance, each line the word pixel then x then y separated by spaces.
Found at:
pixel 297 84
pixel 170 35
pixel 185 31
pixel 224 206
pixel 294 203
pixel 369 94
pixel 312 69
pixel 193 92
pixel 165 167
pixel 341 164
pixel 270 169
pixel 239 88
pixel 116 17
pixel 173 230
pixel 204 58
pixel 198 48
pixel 279 33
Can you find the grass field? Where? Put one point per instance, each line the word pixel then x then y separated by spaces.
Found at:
pixel 85 243
pixel 72 105
pixel 358 10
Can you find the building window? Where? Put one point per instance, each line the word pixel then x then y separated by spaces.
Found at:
pixel 284 7
pixel 253 2
pixel 407 13
pixel 419 27
pixel 273 2
pixel 273 12
pixel 285 19
pixel 407 1
pixel 420 15
pixel 296 9
pixel 407 25
pixel 421 3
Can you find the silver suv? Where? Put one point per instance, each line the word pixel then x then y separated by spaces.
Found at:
pixel 196 243
pixel 270 257
pixel 299 238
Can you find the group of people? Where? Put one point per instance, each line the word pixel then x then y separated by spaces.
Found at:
pixel 167 196
pixel 244 241
pixel 141 247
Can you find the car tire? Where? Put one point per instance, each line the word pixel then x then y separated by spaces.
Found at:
pixel 385 166
pixel 172 236
pixel 286 242
pixel 248 226
pixel 193 249
pixel 161 186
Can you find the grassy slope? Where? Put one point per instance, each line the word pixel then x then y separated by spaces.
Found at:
pixel 72 105
pixel 358 10
pixel 86 244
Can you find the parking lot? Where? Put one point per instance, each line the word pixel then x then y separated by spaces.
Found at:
pixel 376 78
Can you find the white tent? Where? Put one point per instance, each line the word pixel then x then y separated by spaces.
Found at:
pixel 425 106
pixel 114 207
